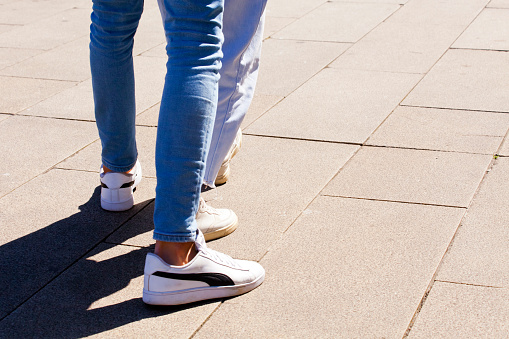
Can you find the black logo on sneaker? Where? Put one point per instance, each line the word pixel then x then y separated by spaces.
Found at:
pixel 212 279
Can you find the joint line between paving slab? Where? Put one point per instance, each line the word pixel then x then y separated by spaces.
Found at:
pixel 468 284
pixel 49 117
pixel 75 261
pixel 480 49
pixel 207 319
pixel 302 139
pixel 440 264
pixel 393 201
pixel 47 170
pixel 456 109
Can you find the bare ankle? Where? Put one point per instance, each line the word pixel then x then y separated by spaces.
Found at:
pixel 175 253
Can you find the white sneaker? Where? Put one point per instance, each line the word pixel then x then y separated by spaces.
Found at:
pixel 209 275
pixel 215 223
pixel 117 188
pixel 224 170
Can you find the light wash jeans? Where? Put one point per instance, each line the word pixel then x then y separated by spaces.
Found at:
pixel 188 125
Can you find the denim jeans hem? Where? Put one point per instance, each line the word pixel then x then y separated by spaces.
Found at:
pixel 175 238
pixel 119 169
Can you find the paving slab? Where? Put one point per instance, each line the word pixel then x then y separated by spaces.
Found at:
pixel 20 93
pixel 51 32
pixel 274 25
pixel 286 65
pixel 337 105
pixel 4 116
pixel 150 32
pixel 77 102
pixel 465 79
pixel 267 200
pixel 11 56
pixel 460 311
pixel 100 296
pixel 6 28
pixel 479 251
pixel 400 47
pixel 489 31
pixel 69 62
pixel 504 149
pixel 338 22
pixel 438 178
pixel 429 12
pixel 89 158
pixel 49 223
pixel 280 8
pixel 498 4
pixel 442 129
pixel 26 11
pixel 30 146
pixel 377 269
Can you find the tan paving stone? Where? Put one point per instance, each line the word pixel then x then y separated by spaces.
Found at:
pixel 11 56
pixel 49 223
pixel 440 178
pixel 28 11
pixel 459 311
pixel 280 8
pixel 489 31
pixel 286 65
pixel 395 47
pixel 150 31
pixel 337 105
pixel 51 32
pixel 4 116
pixel 274 25
pixel 158 51
pixel 479 252
pixel 428 12
pixel 261 104
pixel 440 129
pixel 69 62
pixel 6 28
pixel 100 296
pixel 75 103
pixel 498 4
pixel 20 93
pixel 29 146
pixel 338 22
pixel 267 200
pixel 504 150
pixel 465 79
pixel 379 260
pixel 149 117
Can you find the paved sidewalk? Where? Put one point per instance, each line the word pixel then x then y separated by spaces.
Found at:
pixel 372 184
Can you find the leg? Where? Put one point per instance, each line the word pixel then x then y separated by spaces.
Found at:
pixel 193 29
pixel 243 30
pixel 114 24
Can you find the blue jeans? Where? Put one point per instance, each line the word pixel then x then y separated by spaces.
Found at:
pixel 190 97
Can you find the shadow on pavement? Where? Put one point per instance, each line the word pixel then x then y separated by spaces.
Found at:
pixel 62 307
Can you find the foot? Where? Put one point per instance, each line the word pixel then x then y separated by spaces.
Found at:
pixel 224 170
pixel 117 188
pixel 215 223
pixel 209 275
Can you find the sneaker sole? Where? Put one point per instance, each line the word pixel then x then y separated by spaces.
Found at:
pixel 199 294
pixel 117 206
pixel 221 232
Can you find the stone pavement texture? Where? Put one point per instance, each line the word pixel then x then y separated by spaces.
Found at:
pixel 372 184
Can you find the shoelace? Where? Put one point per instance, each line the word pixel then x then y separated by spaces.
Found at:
pixel 220 257
pixel 206 208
